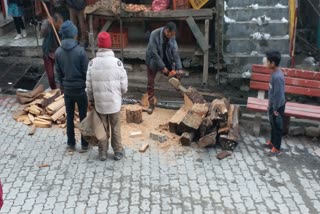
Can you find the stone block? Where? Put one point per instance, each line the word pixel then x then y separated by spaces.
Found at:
pixel 313 132
pixel 296 130
pixel 158 136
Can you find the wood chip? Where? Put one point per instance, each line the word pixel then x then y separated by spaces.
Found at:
pixel 144 147
pixel 43 165
pixel 135 133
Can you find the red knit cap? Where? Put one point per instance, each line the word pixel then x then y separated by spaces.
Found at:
pixel 104 40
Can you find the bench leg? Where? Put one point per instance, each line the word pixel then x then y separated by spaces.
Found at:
pixel 257 124
pixel 286 125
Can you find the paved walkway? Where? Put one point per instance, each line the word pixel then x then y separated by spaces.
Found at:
pixel 171 179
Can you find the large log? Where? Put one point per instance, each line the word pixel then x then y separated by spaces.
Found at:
pixel 31 94
pixel 177 118
pixel 134 114
pixel 200 109
pixel 187 138
pixel 50 97
pixel 190 122
pixel 208 140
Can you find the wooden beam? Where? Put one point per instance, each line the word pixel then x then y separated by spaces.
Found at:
pixel 206 54
pixel 91 36
pixel 197 34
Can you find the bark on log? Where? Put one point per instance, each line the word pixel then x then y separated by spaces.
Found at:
pixel 194 96
pixel 187 138
pixel 31 94
pixel 134 114
pixel 177 118
pixel 207 140
pixel 50 97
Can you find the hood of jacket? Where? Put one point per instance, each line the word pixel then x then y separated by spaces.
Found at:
pixel 104 52
pixel 69 44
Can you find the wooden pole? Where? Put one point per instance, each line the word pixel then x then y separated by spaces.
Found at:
pixel 206 54
pixel 91 37
pixel 50 18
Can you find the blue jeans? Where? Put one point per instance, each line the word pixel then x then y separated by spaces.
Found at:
pixel 276 123
pixel 82 102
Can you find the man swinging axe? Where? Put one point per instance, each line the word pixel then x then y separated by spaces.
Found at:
pixel 162 55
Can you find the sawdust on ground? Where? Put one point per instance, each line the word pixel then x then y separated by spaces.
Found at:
pixel 157 121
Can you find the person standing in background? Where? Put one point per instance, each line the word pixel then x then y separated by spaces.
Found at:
pixel 76 12
pixel 15 9
pixel 50 45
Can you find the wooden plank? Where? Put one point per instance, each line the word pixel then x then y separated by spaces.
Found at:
pixel 290 72
pixel 289 105
pixel 197 34
pixel 206 54
pixel 312 92
pixel 288 80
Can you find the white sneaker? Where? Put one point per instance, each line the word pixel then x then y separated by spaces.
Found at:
pixel 24 33
pixel 18 36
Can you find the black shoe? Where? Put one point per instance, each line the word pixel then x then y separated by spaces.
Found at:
pixel 84 149
pixel 118 155
pixel 71 148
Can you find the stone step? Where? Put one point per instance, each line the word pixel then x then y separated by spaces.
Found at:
pixel 245 3
pixel 247 14
pixel 246 45
pixel 245 29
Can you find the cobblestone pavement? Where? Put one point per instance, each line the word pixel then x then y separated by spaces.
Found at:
pixel 174 179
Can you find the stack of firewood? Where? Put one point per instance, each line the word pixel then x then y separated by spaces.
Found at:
pixel 42 109
pixel 206 123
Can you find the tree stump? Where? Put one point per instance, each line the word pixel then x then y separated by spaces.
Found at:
pixel 134 114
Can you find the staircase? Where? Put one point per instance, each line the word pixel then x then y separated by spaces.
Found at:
pixel 252 27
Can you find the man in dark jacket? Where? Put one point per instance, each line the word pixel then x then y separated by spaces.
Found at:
pixel 76 12
pixel 50 45
pixel 71 69
pixel 162 55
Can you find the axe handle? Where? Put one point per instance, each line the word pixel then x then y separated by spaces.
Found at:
pixel 49 16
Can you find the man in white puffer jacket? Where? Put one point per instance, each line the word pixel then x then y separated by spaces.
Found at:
pixel 107 81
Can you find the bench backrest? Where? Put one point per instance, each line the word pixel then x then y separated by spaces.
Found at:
pixel 298 81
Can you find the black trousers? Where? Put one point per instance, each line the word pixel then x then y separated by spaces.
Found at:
pixel 18 22
pixel 70 101
pixel 276 123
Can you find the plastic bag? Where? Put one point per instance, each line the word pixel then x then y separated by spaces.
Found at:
pixel 159 5
pixel 92 129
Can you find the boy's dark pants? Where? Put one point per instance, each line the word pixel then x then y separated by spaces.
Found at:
pixel 276 123
pixel 70 101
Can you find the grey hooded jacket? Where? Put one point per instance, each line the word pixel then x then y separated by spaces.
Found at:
pixel 155 54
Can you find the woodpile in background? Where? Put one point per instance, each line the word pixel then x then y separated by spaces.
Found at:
pixel 42 109
pixel 206 123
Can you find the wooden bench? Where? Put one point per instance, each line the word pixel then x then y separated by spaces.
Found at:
pixel 298 82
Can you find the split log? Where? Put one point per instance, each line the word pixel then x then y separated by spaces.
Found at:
pixel 234 132
pixel 32 130
pixel 230 116
pixel 27 122
pixel 41 123
pixel 177 118
pixel 50 97
pixel 35 110
pixel 200 109
pixel 59 98
pixel 208 126
pixel 31 117
pixel 208 140
pixel 22 118
pixel 55 106
pixel 223 155
pixel 187 138
pixel 190 122
pixel 31 94
pixel 45 117
pixel 218 109
pixel 134 114
pixel 18 114
pixel 59 113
